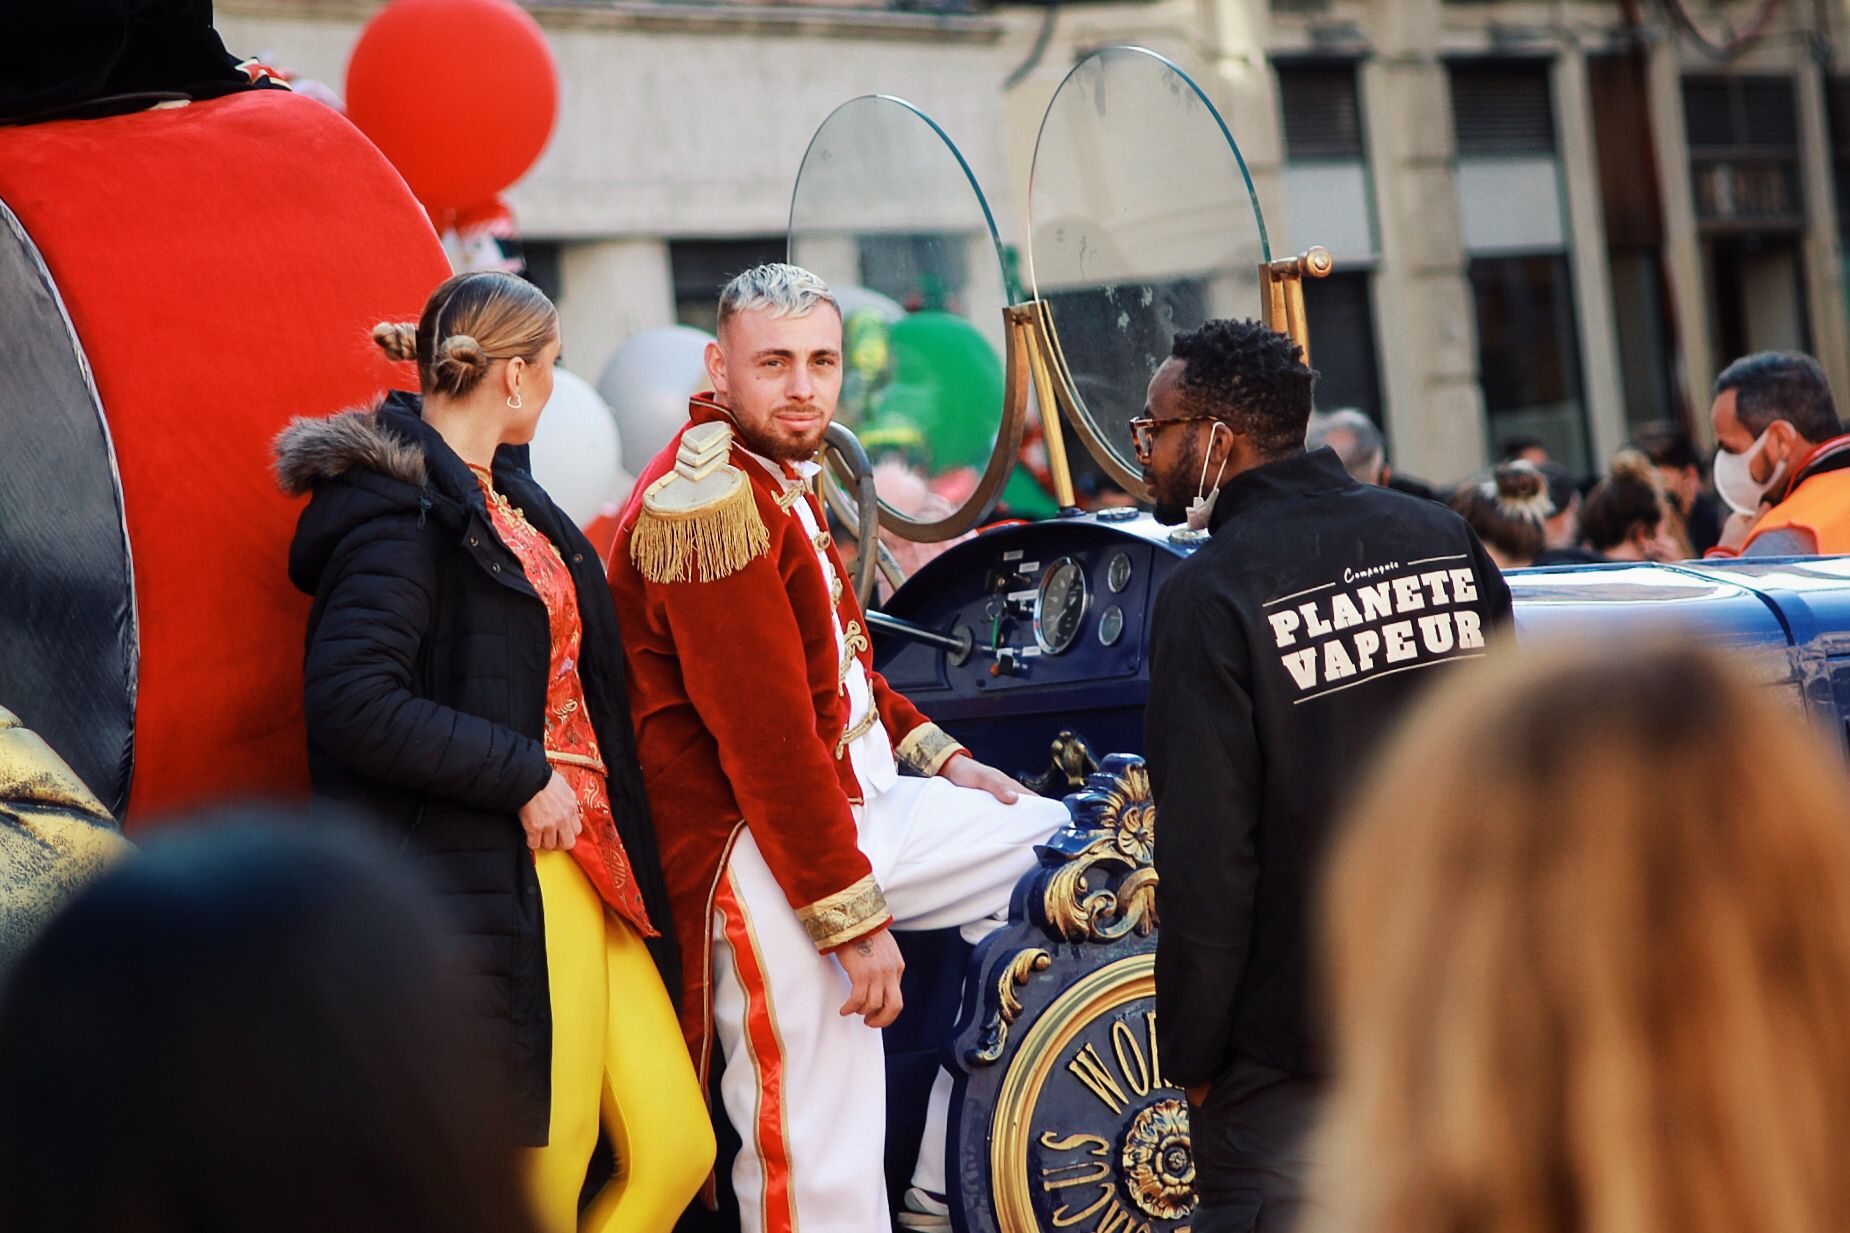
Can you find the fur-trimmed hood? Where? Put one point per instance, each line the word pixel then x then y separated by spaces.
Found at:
pixel 362 466
pixel 311 450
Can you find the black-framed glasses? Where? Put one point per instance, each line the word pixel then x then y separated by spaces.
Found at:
pixel 1144 428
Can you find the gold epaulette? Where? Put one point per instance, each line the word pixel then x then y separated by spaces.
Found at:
pixel 699 515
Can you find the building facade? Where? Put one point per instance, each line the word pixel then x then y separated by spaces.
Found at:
pixel 1549 219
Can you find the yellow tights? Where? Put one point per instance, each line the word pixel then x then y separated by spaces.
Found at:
pixel 617 1052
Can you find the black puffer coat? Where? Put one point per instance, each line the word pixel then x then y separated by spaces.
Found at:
pixel 425 692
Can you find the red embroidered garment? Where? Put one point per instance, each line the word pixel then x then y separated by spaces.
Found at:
pixel 736 692
pixel 571 744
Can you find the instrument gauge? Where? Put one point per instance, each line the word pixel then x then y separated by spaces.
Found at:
pixel 1110 626
pixel 1118 573
pixel 1060 606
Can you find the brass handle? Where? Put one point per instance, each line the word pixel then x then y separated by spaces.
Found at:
pixel 1283 287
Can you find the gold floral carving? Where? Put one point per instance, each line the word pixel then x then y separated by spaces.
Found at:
pixel 1159 1167
pixel 1072 760
pixel 1016 973
pixel 1107 890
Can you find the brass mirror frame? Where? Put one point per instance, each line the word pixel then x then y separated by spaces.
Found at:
pixel 1282 310
pixel 1004 454
pixel 1035 362
pixel 1064 391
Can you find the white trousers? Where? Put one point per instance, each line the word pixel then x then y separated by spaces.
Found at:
pixel 805 1086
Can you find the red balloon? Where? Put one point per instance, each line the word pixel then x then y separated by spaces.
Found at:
pixel 459 94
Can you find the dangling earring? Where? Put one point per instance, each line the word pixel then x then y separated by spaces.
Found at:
pixel 515 402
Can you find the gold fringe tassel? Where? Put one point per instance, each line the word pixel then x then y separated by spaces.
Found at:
pixel 722 539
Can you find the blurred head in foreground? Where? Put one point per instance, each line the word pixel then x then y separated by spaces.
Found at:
pixel 1589 935
pixel 247 1029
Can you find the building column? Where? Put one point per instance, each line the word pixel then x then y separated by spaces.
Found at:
pixel 1824 270
pixel 1599 341
pixel 1425 314
pixel 1696 366
pixel 609 290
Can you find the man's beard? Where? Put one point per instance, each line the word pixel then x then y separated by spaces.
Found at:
pixel 1169 498
pixel 780 449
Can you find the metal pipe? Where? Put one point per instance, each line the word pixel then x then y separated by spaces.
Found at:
pixel 918 633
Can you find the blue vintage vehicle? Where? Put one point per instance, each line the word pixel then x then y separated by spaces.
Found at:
pixel 1062 1117
pixel 1028 639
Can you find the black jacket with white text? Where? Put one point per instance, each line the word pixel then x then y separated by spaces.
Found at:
pixel 1280 653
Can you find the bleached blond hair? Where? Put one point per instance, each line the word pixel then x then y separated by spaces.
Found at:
pixel 782 290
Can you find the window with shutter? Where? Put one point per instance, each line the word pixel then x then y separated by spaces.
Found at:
pixel 1514 217
pixel 1743 135
pixel 1326 186
pixel 701 268
pixel 1322 111
pixel 1837 102
pixel 1502 107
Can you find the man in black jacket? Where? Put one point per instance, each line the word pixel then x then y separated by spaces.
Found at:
pixel 1279 653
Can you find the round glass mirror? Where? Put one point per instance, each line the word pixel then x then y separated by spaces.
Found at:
pixel 887 211
pixel 1143 222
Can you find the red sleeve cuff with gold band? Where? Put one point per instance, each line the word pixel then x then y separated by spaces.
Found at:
pixel 926 749
pixel 845 915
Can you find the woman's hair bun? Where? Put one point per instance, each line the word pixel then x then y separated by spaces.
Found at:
pixel 1520 481
pixel 461 355
pixel 1520 490
pixel 398 339
pixel 1631 464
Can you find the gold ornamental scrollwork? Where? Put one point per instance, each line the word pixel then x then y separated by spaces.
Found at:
pixel 1016 973
pixel 1107 890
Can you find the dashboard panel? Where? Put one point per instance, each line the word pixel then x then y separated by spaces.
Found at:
pixel 1057 620
pixel 1056 615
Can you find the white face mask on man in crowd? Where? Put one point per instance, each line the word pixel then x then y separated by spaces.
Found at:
pixel 1734 476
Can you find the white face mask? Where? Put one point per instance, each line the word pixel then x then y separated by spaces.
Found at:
pixel 1734 477
pixel 1202 507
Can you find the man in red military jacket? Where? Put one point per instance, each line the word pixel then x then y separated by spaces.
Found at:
pixel 772 754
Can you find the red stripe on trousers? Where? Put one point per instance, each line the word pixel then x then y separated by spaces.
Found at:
pixel 767 1061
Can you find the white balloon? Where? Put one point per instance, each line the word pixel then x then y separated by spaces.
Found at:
pixel 647 384
pixel 577 455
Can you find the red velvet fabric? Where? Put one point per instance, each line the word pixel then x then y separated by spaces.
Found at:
pixel 223 264
pixel 735 690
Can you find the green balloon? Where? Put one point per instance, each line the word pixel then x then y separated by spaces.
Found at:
pixel 1023 497
pixel 943 405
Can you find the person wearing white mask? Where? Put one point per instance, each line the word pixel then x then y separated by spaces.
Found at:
pixel 1782 461
pixel 1279 652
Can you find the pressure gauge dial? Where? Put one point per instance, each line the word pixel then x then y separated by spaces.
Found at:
pixel 1118 572
pixel 1110 626
pixel 1060 606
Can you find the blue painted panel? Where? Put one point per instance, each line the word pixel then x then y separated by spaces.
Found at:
pixel 1780 619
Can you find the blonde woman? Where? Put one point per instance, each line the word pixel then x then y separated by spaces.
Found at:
pixel 1589 936
pixel 465 683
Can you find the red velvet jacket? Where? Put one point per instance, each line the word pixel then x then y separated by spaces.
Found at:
pixel 739 714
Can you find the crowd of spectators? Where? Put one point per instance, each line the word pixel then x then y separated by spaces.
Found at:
pixel 1775 483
